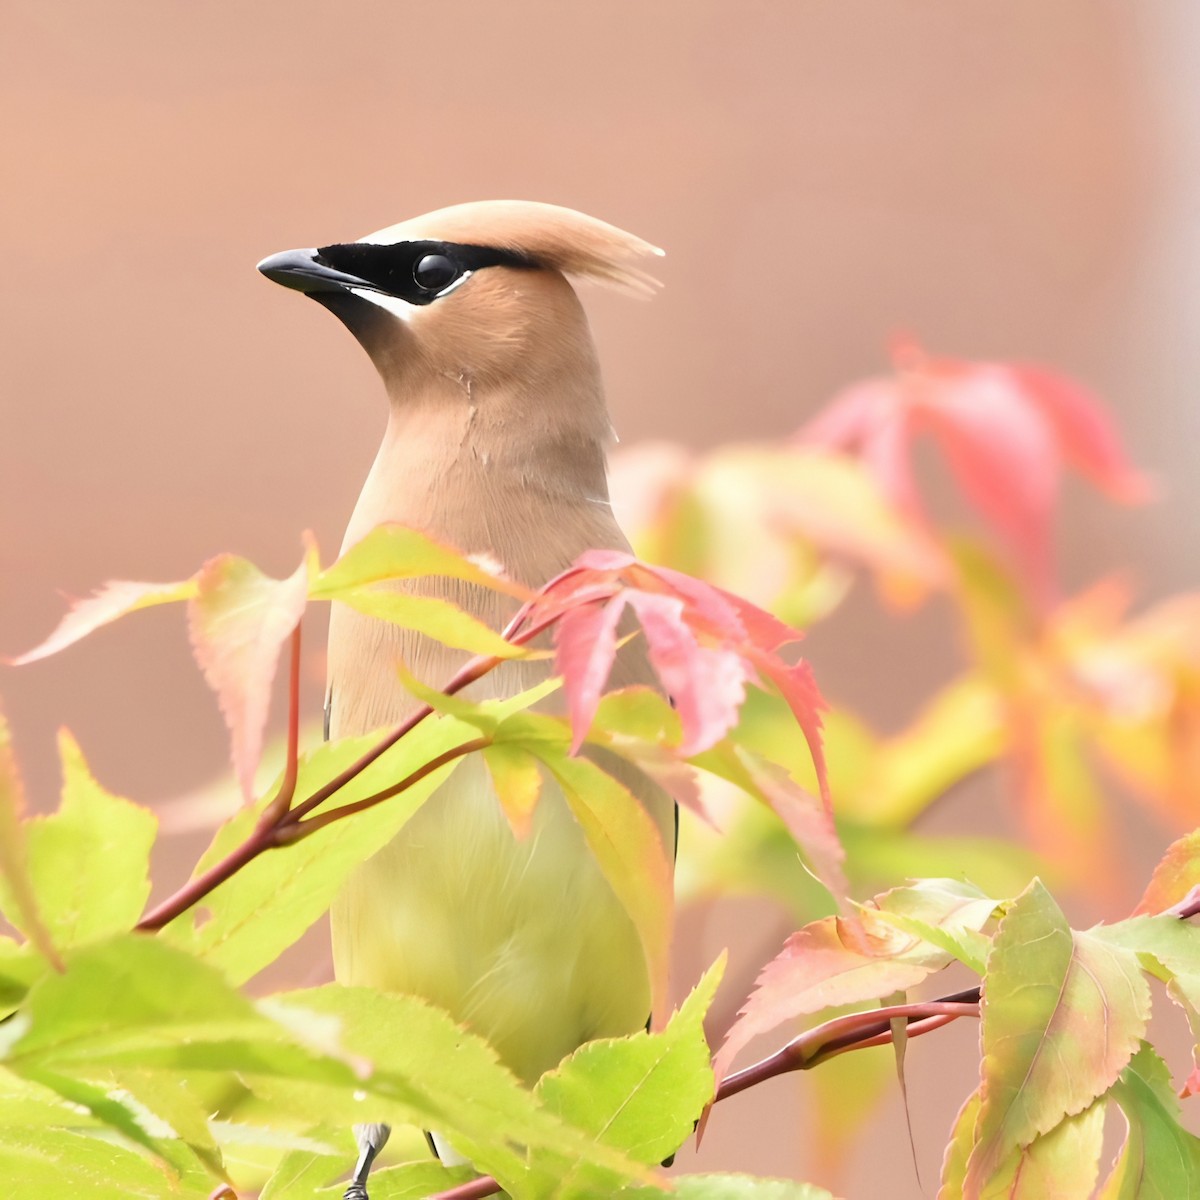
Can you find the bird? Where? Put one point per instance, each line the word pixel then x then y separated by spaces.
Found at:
pixel 496 442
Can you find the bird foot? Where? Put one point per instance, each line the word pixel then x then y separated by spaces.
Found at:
pixel 356 1191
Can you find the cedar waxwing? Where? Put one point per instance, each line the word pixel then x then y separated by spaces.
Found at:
pixel 495 442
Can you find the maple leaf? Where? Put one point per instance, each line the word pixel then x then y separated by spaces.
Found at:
pixel 1006 431
pixel 107 604
pixel 238 621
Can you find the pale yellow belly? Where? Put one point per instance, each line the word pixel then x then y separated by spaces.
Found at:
pixel 523 941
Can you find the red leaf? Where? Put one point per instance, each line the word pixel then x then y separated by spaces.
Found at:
pixel 1006 433
pixel 113 600
pixel 586 643
pixel 708 684
pixel 238 622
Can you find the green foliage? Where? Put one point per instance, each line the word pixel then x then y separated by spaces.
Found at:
pixel 132 1063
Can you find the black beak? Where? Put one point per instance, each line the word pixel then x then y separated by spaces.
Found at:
pixel 306 271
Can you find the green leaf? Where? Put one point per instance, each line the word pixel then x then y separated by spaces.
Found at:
pixel 270 902
pixel 470 1093
pixel 59 1162
pixel 409 1181
pixel 1160 1160
pixel 25 1104
pixel 17 893
pixel 1170 950
pixel 629 849
pixel 1062 1014
pixel 1063 1163
pixel 397 552
pixel 89 861
pixel 643 1093
pixel 518 783
pixel 303 1174
pixel 432 616
pixel 20 965
pixel 944 913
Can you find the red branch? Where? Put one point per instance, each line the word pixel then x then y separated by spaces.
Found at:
pixel 281 824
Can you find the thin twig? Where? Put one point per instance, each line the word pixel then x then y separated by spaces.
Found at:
pixel 293 832
pixel 270 834
pixel 834 1037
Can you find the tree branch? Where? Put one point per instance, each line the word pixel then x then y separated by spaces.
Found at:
pixel 280 823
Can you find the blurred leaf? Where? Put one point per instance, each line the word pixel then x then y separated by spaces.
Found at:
pixel 1062 1164
pixel 89 861
pixel 18 893
pixel 957 733
pixel 1005 432
pixel 26 1105
pixel 729 1187
pixel 113 600
pixel 303 1174
pixel 266 906
pixel 643 1093
pixel 1046 992
pixel 1160 1160
pixel 238 620
pixel 806 820
pixel 59 1162
pixel 20 965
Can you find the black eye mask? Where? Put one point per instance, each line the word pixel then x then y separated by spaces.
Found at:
pixel 417 272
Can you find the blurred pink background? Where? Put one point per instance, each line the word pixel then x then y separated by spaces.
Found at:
pixel 1017 180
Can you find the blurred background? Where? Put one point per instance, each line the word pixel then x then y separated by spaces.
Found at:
pixel 1002 181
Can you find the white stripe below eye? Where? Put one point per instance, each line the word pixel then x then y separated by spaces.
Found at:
pixel 393 304
pixel 456 284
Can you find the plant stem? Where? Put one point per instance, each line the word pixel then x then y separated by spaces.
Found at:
pixel 849 1032
pixel 294 831
pixel 280 822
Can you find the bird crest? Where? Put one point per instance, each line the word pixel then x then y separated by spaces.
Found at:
pixel 552 236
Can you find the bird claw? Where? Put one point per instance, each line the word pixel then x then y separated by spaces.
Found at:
pixel 356 1191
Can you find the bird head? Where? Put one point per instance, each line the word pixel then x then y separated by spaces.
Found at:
pixel 476 293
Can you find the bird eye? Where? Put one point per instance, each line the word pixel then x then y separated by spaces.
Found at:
pixel 434 272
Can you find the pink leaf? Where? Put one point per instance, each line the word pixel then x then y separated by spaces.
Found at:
pixel 798 686
pixel 238 622
pixel 1006 433
pixel 706 683
pixel 1084 432
pixel 1003 454
pixel 586 643
pixel 113 600
pixel 810 823
pixel 822 965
